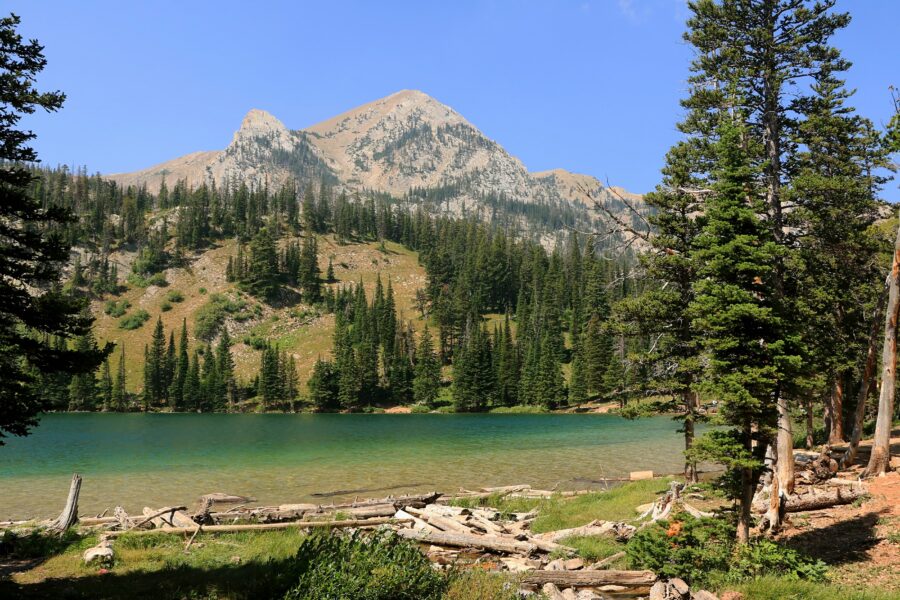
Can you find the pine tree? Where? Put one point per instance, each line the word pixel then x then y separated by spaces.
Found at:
pixel 119 393
pixel 192 394
pixel 106 388
pixel 180 370
pixel 34 308
pixel 155 367
pixel 261 276
pixel 474 378
pixel 323 386
pixel 309 276
pixel 226 394
pixel 757 51
pixel 427 380
pixel 598 354
pixel 147 392
pixel 578 393
pixel 508 366
pixel 733 306
pixel 83 388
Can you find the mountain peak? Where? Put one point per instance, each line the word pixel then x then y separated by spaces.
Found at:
pixel 260 122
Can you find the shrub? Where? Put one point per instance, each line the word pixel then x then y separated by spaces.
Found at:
pixel 175 296
pixel 211 315
pixel 765 557
pixel 203 291
pixel 683 547
pixel 134 320
pixel 166 306
pixel 36 543
pixel 254 341
pixel 116 309
pixel 380 567
pixel 698 550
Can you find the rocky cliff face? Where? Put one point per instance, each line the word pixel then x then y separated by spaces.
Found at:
pixel 404 142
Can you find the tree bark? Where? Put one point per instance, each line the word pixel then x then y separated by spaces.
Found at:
pixel 879 461
pixel 587 578
pixel 69 514
pixel 262 527
pixel 461 540
pixel 743 524
pixel 865 385
pixel 820 499
pixel 783 479
pixel 836 433
pixel 810 427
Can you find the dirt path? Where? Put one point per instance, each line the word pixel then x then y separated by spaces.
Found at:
pixel 860 541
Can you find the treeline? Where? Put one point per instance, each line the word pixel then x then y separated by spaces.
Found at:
pixel 556 303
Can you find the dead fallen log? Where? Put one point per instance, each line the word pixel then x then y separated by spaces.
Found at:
pixel 461 540
pixel 169 517
pixel 222 498
pixel 620 530
pixel 69 514
pixel 819 499
pixel 587 578
pixel 602 564
pixel 360 523
pixel 415 500
pixel 149 515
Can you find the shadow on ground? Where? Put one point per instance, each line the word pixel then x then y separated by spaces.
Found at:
pixel 252 580
pixel 845 541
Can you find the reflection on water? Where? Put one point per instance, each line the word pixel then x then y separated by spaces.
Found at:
pixel 137 460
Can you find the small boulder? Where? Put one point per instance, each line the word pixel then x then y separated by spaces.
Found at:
pixel 555 565
pixel 552 592
pixel 573 564
pixel 101 554
pixel 659 591
pixel 704 595
pixel 679 587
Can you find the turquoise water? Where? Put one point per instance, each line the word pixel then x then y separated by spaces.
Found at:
pixel 162 459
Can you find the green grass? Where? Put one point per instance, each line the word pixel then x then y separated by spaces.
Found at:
pixel 776 588
pixel 481 585
pixel 615 504
pixel 134 320
pixel 594 548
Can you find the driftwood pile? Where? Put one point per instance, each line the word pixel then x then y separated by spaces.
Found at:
pixel 816 485
pixel 452 535
pixel 449 535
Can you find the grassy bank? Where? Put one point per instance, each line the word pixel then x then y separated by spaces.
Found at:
pixel 263 564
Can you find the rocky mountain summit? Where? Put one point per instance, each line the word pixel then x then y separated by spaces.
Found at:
pixel 407 144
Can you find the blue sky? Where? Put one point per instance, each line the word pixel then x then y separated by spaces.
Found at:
pixel 590 86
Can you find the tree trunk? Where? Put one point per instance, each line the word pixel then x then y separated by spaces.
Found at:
pixel 819 499
pixel 506 545
pixel 810 427
pixel 836 433
pixel 263 527
pixel 866 384
pixel 690 404
pixel 879 461
pixel 783 479
pixel 743 524
pixel 587 578
pixel 69 514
